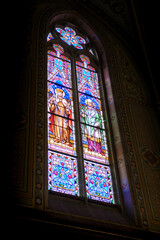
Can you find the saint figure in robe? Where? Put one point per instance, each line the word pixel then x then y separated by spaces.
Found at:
pixel 60 125
pixel 92 126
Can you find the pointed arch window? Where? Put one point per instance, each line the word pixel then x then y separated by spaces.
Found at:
pixel 78 158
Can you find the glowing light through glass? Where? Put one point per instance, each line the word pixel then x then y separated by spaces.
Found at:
pixel 62 149
pixel 62 168
pixel 49 37
pixel 69 36
pixel 98 182
pixel 95 148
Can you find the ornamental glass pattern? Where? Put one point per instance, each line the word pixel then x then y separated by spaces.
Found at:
pixel 69 36
pixel 62 173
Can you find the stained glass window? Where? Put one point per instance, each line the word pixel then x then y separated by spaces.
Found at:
pixel 66 88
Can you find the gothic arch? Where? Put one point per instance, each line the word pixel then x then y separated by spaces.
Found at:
pixel 103 47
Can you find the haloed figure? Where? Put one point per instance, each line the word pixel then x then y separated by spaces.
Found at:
pixel 59 122
pixel 93 123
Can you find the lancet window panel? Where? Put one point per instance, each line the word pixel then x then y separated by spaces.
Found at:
pixel 77 140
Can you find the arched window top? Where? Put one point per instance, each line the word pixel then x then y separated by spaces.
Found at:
pixel 79 162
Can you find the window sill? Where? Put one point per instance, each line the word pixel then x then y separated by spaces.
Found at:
pixel 79 210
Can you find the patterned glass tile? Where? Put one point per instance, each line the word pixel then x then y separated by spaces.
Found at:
pixel 62 174
pixel 98 182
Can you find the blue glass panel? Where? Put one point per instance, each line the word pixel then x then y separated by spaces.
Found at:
pixel 62 173
pixel 98 182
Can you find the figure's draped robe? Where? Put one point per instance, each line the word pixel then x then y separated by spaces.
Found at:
pixel 59 125
pixel 92 130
